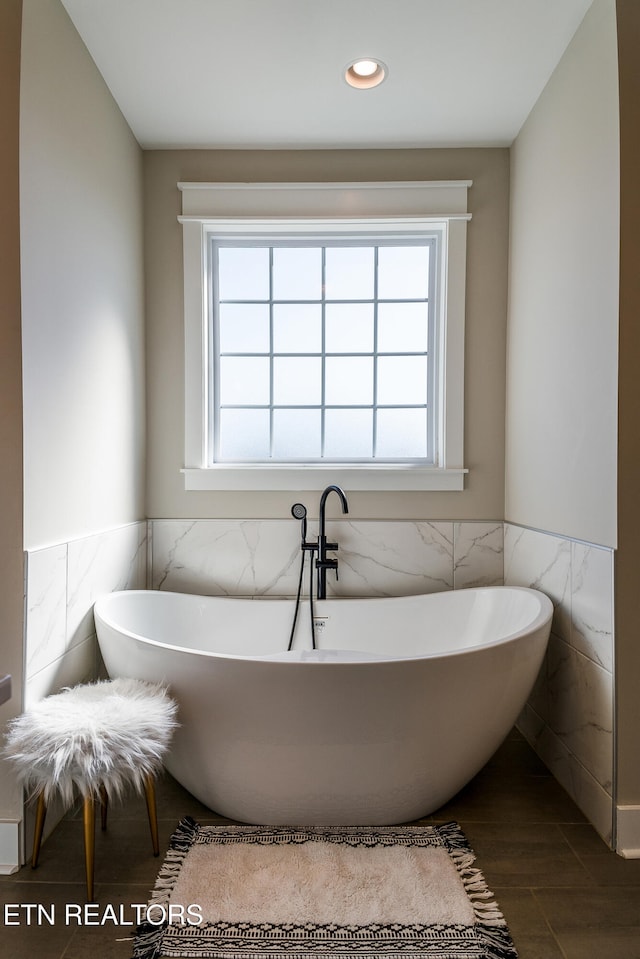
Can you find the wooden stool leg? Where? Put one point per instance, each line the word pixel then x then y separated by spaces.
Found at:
pixel 104 806
pixel 89 843
pixel 150 796
pixel 41 812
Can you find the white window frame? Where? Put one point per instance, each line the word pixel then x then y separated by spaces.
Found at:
pixel 400 209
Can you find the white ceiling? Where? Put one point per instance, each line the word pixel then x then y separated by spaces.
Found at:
pixel 269 73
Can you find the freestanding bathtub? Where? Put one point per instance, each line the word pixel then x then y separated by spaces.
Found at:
pixel 402 703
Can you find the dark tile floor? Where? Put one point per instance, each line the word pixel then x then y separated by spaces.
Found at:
pixel 564 894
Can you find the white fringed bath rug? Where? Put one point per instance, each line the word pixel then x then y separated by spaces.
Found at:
pixel 265 892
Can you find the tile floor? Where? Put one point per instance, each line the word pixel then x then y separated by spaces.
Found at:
pixel 564 894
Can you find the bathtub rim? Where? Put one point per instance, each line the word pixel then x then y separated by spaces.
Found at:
pixel 542 619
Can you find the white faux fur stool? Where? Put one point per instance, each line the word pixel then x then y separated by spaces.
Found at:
pixel 96 739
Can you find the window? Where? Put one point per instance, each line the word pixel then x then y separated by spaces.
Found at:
pixel 323 353
pixel 323 344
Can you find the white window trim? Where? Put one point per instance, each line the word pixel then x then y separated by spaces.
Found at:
pixel 332 208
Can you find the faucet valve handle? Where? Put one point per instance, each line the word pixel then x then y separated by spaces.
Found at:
pixel 331 546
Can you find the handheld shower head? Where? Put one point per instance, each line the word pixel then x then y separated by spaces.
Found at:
pixel 299 511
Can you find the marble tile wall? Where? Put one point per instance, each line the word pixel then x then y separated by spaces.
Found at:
pixel 376 558
pixel 62 583
pixel 236 557
pixel 569 716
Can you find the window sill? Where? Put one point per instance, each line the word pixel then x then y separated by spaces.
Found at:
pixel 299 477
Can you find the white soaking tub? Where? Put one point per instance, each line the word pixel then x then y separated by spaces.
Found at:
pixel 402 703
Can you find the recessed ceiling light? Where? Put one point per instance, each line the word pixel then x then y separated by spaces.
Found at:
pixel 365 73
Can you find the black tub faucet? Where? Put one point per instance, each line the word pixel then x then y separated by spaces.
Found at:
pixel 322 563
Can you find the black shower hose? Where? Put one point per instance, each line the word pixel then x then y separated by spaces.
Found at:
pixel 297 606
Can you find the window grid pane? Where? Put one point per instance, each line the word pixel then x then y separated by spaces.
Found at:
pixel 350 395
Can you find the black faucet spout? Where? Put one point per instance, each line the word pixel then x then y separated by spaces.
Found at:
pixel 322 563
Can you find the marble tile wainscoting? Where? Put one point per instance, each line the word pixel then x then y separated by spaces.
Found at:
pixel 376 557
pixel 569 717
pixel 62 584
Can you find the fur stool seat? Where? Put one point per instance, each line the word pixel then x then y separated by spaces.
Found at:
pixel 95 739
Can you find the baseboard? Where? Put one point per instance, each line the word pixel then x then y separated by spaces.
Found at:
pixel 9 846
pixel 628 831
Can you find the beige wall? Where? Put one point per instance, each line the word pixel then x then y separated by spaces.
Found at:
pixel 563 311
pixel 485 323
pixel 82 290
pixel 627 565
pixel 11 580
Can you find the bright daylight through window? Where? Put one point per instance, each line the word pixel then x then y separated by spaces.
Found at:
pixel 323 352
pixel 318 342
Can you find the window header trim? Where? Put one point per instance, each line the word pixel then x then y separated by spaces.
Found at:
pixel 323 227
pixel 440 198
